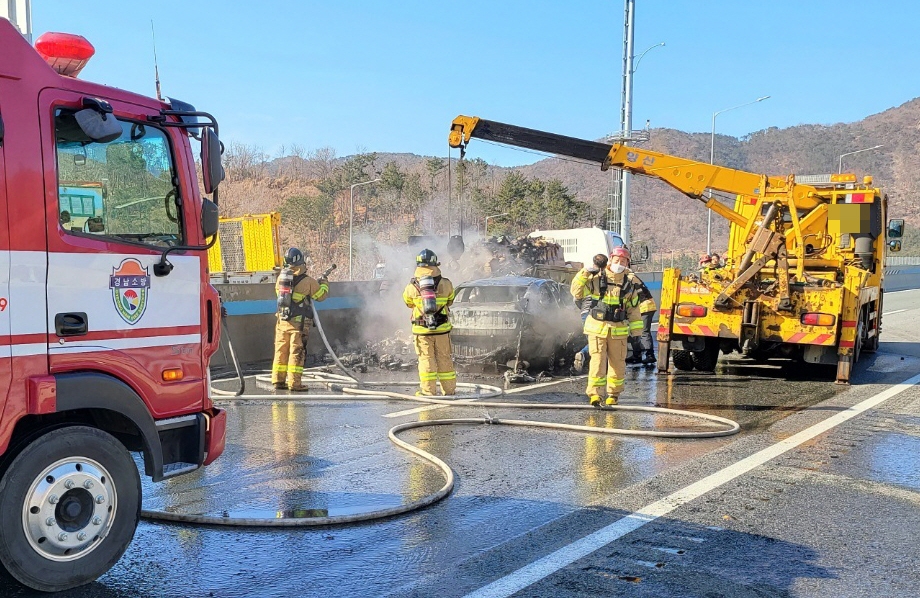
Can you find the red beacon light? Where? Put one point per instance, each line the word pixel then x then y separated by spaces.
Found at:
pixel 66 53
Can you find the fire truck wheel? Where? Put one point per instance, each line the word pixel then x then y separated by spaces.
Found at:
pixel 69 506
pixel 682 360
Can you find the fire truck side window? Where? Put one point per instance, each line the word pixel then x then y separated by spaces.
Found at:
pixel 123 189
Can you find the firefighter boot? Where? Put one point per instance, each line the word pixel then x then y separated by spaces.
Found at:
pixel 649 358
pixel 611 401
pixel 595 401
pixel 299 387
pixel 280 386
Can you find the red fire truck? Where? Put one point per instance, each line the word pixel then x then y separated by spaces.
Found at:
pixel 107 318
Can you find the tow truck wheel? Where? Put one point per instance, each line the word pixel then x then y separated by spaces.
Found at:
pixel 871 344
pixel 705 360
pixel 682 360
pixel 69 506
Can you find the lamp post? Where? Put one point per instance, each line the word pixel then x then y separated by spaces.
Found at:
pixel 712 155
pixel 351 222
pixel 840 160
pixel 486 234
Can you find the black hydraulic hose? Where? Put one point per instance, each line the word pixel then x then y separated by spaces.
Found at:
pixel 236 363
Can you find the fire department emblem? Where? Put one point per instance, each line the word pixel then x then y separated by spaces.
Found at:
pixel 129 283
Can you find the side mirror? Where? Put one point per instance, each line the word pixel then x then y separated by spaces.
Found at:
pixel 896 228
pixel 212 171
pixel 209 218
pixel 894 246
pixel 639 252
pixel 98 126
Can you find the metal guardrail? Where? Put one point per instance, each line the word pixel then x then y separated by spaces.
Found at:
pixel 907 260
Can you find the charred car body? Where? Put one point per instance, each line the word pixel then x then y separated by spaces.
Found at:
pixel 495 319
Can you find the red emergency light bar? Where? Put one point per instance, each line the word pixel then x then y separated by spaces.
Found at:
pixel 67 53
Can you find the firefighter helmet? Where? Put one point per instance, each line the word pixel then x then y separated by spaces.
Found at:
pixel 293 257
pixel 620 252
pixel 427 258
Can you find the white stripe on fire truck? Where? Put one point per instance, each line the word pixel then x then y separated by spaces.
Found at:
pixel 26 349
pixel 72 346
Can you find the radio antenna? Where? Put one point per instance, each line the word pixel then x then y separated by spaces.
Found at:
pixel 156 70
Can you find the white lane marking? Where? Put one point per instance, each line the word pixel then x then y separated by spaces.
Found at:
pixel 542 384
pixel 888 313
pixel 508 392
pixel 534 572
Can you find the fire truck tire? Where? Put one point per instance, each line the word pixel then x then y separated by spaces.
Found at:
pixel 682 360
pixel 69 507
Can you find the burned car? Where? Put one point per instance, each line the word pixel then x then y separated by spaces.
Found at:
pixel 497 319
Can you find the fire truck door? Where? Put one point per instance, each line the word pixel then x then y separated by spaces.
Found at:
pixel 114 205
pixel 6 349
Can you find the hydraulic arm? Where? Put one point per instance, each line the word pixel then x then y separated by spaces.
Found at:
pixel 690 177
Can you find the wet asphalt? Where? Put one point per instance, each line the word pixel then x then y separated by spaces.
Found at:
pixel 837 515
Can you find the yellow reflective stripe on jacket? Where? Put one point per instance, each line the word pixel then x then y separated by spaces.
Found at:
pixel 321 293
pixel 637 325
pixel 647 306
pixel 602 328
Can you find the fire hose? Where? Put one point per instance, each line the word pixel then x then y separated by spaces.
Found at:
pixel 350 386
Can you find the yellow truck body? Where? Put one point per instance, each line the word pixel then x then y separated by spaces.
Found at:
pixel 804 276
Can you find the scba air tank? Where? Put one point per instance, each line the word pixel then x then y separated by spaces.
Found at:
pixel 427 290
pixel 285 288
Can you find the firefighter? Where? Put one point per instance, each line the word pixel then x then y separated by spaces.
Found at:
pixel 643 351
pixel 430 295
pixel 705 262
pixel 585 305
pixel 615 316
pixel 295 290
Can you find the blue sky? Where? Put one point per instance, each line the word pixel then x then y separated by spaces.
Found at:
pixel 391 75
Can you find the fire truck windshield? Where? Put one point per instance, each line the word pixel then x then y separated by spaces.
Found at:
pixel 122 189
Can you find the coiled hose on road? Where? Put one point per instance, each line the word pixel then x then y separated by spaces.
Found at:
pixel 349 387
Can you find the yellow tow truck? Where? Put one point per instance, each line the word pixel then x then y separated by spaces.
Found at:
pixel 804 273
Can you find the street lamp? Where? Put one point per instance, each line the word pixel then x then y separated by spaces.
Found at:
pixel 351 221
pixel 486 234
pixel 638 60
pixel 840 161
pixel 712 155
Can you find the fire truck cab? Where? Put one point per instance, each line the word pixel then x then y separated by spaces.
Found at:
pixel 107 317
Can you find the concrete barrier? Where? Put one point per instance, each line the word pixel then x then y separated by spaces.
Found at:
pixel 899 278
pixel 251 311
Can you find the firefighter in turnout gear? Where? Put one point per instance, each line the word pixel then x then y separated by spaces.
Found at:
pixel 613 317
pixel 643 351
pixel 295 290
pixel 430 295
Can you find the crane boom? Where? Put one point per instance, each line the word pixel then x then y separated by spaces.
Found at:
pixel 690 177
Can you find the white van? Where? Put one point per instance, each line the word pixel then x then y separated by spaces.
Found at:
pixel 582 244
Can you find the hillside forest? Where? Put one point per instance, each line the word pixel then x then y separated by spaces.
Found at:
pixel 437 196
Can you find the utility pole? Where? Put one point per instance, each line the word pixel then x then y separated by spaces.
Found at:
pixel 618 202
pixel 626 113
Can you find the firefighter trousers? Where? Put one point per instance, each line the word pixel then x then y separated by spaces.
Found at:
pixel 435 363
pixel 290 343
pixel 608 365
